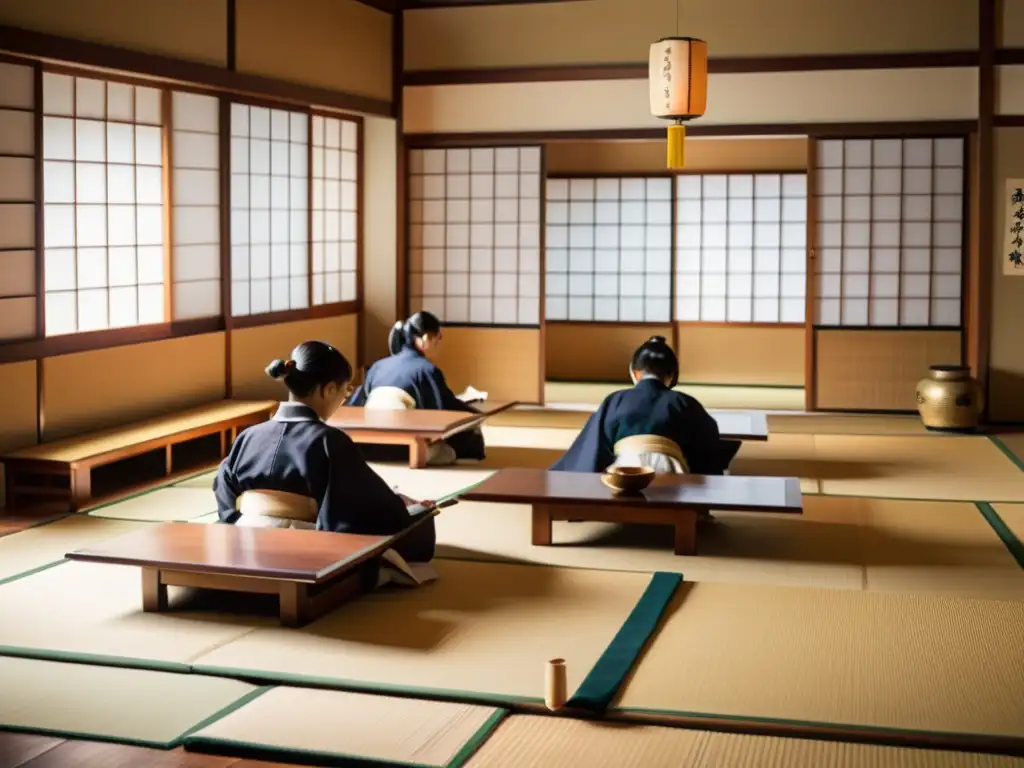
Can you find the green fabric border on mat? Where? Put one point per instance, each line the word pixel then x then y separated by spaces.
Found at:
pixel 222 713
pixel 826 728
pixel 252 750
pixel 96 659
pixel 603 682
pixel 171 744
pixel 1007 451
pixel 1007 536
pixel 365 686
pixel 32 571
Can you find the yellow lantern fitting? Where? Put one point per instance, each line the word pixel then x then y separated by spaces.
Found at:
pixel 678 75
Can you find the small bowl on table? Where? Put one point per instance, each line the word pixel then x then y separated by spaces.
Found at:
pixel 627 480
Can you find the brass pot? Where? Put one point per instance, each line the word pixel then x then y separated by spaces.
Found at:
pixel 949 400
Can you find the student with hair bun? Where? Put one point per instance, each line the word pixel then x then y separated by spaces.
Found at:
pixel 296 471
pixel 651 424
pixel 409 380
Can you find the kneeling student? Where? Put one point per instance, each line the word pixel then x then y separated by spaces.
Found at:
pixel 300 472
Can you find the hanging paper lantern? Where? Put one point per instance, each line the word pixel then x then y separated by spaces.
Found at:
pixel 679 87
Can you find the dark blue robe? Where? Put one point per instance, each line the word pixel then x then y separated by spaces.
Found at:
pixel 410 371
pixel 296 452
pixel 649 408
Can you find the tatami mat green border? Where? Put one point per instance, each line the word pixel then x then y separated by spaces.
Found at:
pixel 603 681
pixel 32 571
pixel 175 742
pixel 1007 451
pixel 96 659
pixel 251 751
pixel 1008 537
pixel 269 677
pixel 819 729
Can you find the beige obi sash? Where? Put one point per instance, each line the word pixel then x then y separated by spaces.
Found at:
pixel 277 509
pixel 640 444
pixel 390 399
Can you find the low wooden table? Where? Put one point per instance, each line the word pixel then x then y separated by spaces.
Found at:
pixel 418 429
pixel 61 471
pixel 741 425
pixel 675 500
pixel 312 572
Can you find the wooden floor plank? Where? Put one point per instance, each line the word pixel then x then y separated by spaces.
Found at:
pixel 18 749
pixel 29 751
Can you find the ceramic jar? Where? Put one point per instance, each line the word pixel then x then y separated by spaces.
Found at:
pixel 949 400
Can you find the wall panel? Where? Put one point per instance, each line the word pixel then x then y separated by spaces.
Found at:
pixel 773 97
pixel 106 387
pixel 187 29
pixel 380 244
pixel 594 351
pixel 1010 89
pixel 504 362
pixel 620 31
pixel 741 354
pixel 252 349
pixel 17 409
pixel 877 369
pixel 339 44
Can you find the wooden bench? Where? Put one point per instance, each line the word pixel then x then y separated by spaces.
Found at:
pixel 311 572
pixel 418 429
pixel 675 500
pixel 61 471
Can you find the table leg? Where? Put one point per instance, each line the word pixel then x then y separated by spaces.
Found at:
pixel 541 536
pixel 294 604
pixel 81 487
pixel 418 452
pixel 154 593
pixel 685 532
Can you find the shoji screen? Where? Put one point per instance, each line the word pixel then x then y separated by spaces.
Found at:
pixel 269 210
pixel 17 203
pixel 890 232
pixel 609 249
pixel 335 209
pixel 741 244
pixel 103 204
pixel 195 209
pixel 474 234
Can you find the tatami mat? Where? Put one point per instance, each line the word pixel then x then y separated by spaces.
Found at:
pixel 961 468
pixel 806 423
pixel 528 741
pixel 129 705
pixel 86 611
pixel 45 544
pixel 759 398
pixel 1012 516
pixel 848 424
pixel 204 481
pixel 288 724
pixel 1014 445
pixel 482 632
pixel 886 545
pixel 213 517
pixel 867 660
pixel 164 505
